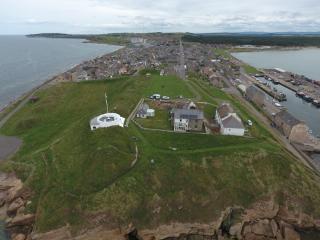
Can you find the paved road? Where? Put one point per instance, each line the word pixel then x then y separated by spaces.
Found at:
pixel 8 146
pixel 182 70
pixel 17 108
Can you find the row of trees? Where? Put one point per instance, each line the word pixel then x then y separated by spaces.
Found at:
pixel 258 40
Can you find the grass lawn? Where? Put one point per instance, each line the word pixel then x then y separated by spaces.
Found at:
pixel 250 69
pixel 116 40
pixel 170 86
pixel 160 121
pixel 209 111
pixel 77 174
pixel 222 53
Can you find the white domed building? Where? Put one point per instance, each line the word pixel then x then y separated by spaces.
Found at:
pixel 107 120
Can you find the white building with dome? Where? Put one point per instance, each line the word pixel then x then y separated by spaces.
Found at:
pixel 107 120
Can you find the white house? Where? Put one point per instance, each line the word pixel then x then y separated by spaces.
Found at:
pixel 107 120
pixel 184 120
pixel 229 121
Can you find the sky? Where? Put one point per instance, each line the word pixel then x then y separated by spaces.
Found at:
pixel 106 16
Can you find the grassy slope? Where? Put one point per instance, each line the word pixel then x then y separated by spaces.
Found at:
pixel 226 54
pixel 116 40
pixel 75 172
pixel 250 69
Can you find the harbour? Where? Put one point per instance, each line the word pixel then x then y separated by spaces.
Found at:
pixel 301 91
pixel 299 106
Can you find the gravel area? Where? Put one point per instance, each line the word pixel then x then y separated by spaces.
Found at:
pixel 8 146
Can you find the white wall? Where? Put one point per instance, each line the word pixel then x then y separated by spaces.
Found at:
pixel 183 124
pixel 232 131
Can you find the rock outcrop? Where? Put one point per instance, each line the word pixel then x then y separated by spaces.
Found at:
pixel 13 200
pixel 264 220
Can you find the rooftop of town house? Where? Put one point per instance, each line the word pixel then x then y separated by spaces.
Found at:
pixel 232 122
pixel 289 119
pixel 224 110
pixel 191 114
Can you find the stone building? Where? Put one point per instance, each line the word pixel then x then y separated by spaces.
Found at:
pixel 256 96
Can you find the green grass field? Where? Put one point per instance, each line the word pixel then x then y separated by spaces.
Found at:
pixel 77 174
pixel 160 121
pixel 170 86
pixel 222 53
pixel 250 69
pixel 116 40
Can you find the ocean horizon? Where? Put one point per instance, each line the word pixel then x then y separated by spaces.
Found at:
pixel 26 63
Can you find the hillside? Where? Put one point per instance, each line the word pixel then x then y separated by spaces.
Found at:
pixel 78 176
pixel 284 40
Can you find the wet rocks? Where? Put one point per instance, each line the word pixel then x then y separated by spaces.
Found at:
pixel 21 220
pixel 290 234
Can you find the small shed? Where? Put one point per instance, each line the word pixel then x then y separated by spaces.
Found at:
pixel 144 111
pixel 151 112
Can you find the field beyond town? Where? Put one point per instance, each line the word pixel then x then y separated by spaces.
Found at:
pixel 78 176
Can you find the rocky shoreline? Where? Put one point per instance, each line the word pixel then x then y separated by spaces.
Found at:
pixel 14 199
pixel 264 220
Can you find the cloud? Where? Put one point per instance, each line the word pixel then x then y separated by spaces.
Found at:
pixel 88 16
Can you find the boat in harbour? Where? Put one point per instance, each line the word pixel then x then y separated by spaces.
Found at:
pixel 307 98
pixel 300 94
pixel 316 103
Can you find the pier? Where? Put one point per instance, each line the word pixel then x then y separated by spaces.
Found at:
pixel 297 84
pixel 282 82
pixel 280 97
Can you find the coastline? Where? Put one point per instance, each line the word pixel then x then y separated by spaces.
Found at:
pixel 169 233
pixel 10 182
pixel 13 104
pixel 269 49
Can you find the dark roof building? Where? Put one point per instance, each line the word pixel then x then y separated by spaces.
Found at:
pixel 187 113
pixel 287 118
pixel 184 120
pixel 256 95
pixel 285 122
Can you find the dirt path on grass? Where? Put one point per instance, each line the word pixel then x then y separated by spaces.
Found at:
pixel 132 114
pixel 8 146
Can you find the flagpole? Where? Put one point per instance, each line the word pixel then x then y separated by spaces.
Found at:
pixel 107 102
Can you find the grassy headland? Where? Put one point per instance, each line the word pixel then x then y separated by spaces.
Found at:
pixel 77 174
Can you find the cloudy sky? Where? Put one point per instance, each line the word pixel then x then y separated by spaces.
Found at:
pixel 103 16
